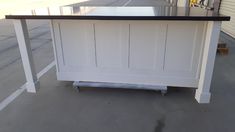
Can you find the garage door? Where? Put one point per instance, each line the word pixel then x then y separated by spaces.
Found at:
pixel 228 8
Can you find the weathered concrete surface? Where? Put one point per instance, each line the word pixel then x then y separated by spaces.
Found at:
pixel 58 107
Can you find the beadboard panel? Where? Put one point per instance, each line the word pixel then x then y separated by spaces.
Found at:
pixel 160 52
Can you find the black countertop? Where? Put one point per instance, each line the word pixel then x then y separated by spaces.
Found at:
pixel 120 13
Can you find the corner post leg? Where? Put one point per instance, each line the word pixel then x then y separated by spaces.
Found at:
pixel 22 35
pixel 209 53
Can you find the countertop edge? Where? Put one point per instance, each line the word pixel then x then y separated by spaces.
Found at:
pixel 186 18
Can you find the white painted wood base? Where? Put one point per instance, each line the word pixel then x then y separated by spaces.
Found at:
pixel 202 97
pixel 22 35
pixel 212 36
pixel 165 53
pixel 160 53
pixel 32 87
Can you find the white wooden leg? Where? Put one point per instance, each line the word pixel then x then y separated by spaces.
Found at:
pixel 212 36
pixel 26 54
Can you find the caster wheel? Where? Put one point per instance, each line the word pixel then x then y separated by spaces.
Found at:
pixel 77 88
pixel 163 92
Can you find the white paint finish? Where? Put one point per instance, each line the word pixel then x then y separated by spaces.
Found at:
pixel 146 45
pixel 173 48
pixel 111 40
pixel 54 45
pixel 180 36
pixel 127 51
pixel 26 54
pixel 137 52
pixel 183 44
pixel 227 7
pixel 57 45
pixel 75 42
pixel 112 77
pixel 69 43
pixel 201 48
pixel 209 53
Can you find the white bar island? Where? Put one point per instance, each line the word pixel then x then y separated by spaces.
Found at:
pixel 152 46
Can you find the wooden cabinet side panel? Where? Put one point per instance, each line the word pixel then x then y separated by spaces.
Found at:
pixel 147 41
pixel 128 51
pixel 75 45
pixel 183 48
pixel 111 44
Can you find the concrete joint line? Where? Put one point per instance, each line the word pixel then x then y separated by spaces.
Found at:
pixel 19 91
pixel 125 4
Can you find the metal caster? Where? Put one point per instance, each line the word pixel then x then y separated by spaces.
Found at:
pixel 76 87
pixel 163 92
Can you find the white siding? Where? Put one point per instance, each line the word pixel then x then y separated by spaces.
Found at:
pixel 228 8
